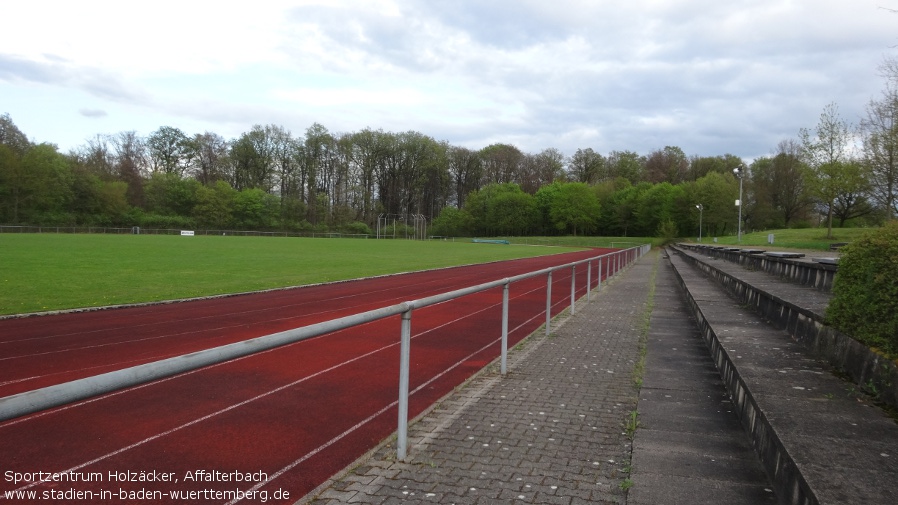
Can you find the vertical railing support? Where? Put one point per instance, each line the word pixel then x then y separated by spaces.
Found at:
pixel 588 280
pixel 505 328
pixel 548 303
pixel 573 289
pixel 404 355
pixel 599 274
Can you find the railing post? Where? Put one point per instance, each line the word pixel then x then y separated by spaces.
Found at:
pixel 505 328
pixel 588 280
pixel 600 274
pixel 404 354
pixel 548 303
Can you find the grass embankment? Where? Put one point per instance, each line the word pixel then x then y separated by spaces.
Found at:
pixel 807 238
pixel 616 242
pixel 42 272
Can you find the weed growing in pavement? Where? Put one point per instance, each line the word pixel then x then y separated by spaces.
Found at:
pixel 632 424
pixel 639 369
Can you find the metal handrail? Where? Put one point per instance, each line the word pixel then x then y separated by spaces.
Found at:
pixel 60 394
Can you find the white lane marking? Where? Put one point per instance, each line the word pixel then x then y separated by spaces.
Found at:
pixel 262 395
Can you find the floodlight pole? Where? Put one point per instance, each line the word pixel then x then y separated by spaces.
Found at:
pixel 700 212
pixel 738 171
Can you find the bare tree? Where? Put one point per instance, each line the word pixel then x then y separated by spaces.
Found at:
pixel 880 137
pixel 501 163
pixel 466 170
pixel 130 155
pixel 587 166
pixel 826 151
pixel 666 165
pixel 169 151
pixel 210 158
pixel 12 137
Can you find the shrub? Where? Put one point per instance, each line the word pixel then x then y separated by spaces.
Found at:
pixel 150 220
pixel 865 291
pixel 667 232
pixel 357 228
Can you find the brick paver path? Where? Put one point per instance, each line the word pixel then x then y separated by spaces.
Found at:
pixel 553 431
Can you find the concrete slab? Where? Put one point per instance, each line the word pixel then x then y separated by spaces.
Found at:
pixel 690 447
pixel 816 432
pixel 673 490
pixel 782 254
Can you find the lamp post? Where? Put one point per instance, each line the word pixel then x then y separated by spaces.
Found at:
pixel 700 210
pixel 739 172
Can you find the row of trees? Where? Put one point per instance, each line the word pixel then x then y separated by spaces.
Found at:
pixel 269 178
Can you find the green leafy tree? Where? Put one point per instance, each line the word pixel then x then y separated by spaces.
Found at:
pixel 513 213
pixel 717 193
pixel 626 164
pixel 502 209
pixel 171 195
pixel 851 201
pixel 11 184
pixel 111 202
pixel 38 186
pixel 215 205
pixel 254 209
pixel 700 166
pixel 622 210
pixel 655 206
pixel 573 207
pixel 452 222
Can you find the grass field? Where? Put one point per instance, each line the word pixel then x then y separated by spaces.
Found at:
pixel 616 242
pixel 43 272
pixel 807 238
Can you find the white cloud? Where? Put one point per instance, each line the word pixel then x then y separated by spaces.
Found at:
pixel 322 98
pixel 711 77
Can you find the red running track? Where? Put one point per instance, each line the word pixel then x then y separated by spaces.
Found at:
pixel 297 414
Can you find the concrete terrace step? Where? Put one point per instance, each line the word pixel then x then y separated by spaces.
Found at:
pixel 800 310
pixel 817 437
pixel 815 272
pixel 805 298
pixel 690 447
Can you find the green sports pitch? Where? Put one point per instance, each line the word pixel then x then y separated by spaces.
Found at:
pixel 47 272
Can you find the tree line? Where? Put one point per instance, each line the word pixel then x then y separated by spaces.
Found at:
pixel 271 179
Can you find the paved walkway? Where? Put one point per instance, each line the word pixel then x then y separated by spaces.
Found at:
pixel 558 428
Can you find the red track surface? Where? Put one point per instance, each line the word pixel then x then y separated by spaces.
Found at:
pixel 298 414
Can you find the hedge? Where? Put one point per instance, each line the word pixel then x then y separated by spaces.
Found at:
pixel 865 290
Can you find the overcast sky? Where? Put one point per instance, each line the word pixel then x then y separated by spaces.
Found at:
pixel 710 76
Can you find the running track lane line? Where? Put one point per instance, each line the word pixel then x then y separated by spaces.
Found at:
pixel 376 414
pixel 420 292
pixel 273 391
